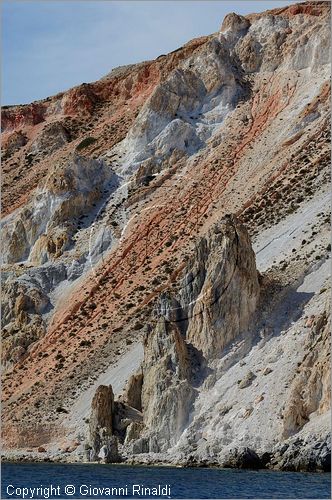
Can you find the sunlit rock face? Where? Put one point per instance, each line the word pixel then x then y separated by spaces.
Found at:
pixel 221 288
pixel 43 228
pixel 115 235
pixel 311 388
pixel 101 440
pixel 216 297
pixel 37 235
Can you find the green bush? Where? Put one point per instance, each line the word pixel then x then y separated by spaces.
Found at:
pixel 85 143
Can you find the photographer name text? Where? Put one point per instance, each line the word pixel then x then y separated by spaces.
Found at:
pixel 89 491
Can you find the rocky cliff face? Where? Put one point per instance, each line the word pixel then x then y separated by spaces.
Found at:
pixel 101 422
pixel 216 297
pixel 311 388
pixel 167 392
pixel 39 234
pixel 115 234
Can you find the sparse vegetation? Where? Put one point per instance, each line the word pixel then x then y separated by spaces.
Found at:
pixel 85 143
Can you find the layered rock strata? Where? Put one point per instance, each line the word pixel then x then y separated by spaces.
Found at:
pixel 110 189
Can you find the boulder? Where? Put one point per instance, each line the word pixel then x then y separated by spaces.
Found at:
pixel 241 458
pixel 123 416
pixel 247 380
pixel 109 452
pixel 134 431
pixel 234 23
pixel 305 453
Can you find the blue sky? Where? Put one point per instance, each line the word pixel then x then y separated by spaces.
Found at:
pixel 51 45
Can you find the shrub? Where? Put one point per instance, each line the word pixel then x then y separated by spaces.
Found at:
pixel 85 343
pixel 85 143
pixel 61 410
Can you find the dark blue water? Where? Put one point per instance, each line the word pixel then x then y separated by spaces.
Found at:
pixel 182 483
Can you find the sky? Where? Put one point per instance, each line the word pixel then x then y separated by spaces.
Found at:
pixel 51 45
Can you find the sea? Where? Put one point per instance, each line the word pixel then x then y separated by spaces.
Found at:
pixel 72 481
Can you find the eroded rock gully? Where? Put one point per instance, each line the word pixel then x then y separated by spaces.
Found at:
pixel 114 231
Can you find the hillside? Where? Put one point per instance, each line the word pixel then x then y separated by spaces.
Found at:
pixel 166 231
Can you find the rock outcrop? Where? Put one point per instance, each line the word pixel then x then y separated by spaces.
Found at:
pixel 52 137
pixel 102 442
pixel 303 453
pixel 38 235
pixel 42 230
pixel 114 233
pixel 23 304
pixel 133 395
pixel 217 294
pixel 167 392
pixel 243 458
pixel 220 290
pixel 311 388
pixel 111 422
pixel 14 142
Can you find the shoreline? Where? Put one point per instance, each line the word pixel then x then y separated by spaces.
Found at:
pixel 67 460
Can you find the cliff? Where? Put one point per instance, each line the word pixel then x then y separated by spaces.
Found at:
pixel 123 267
